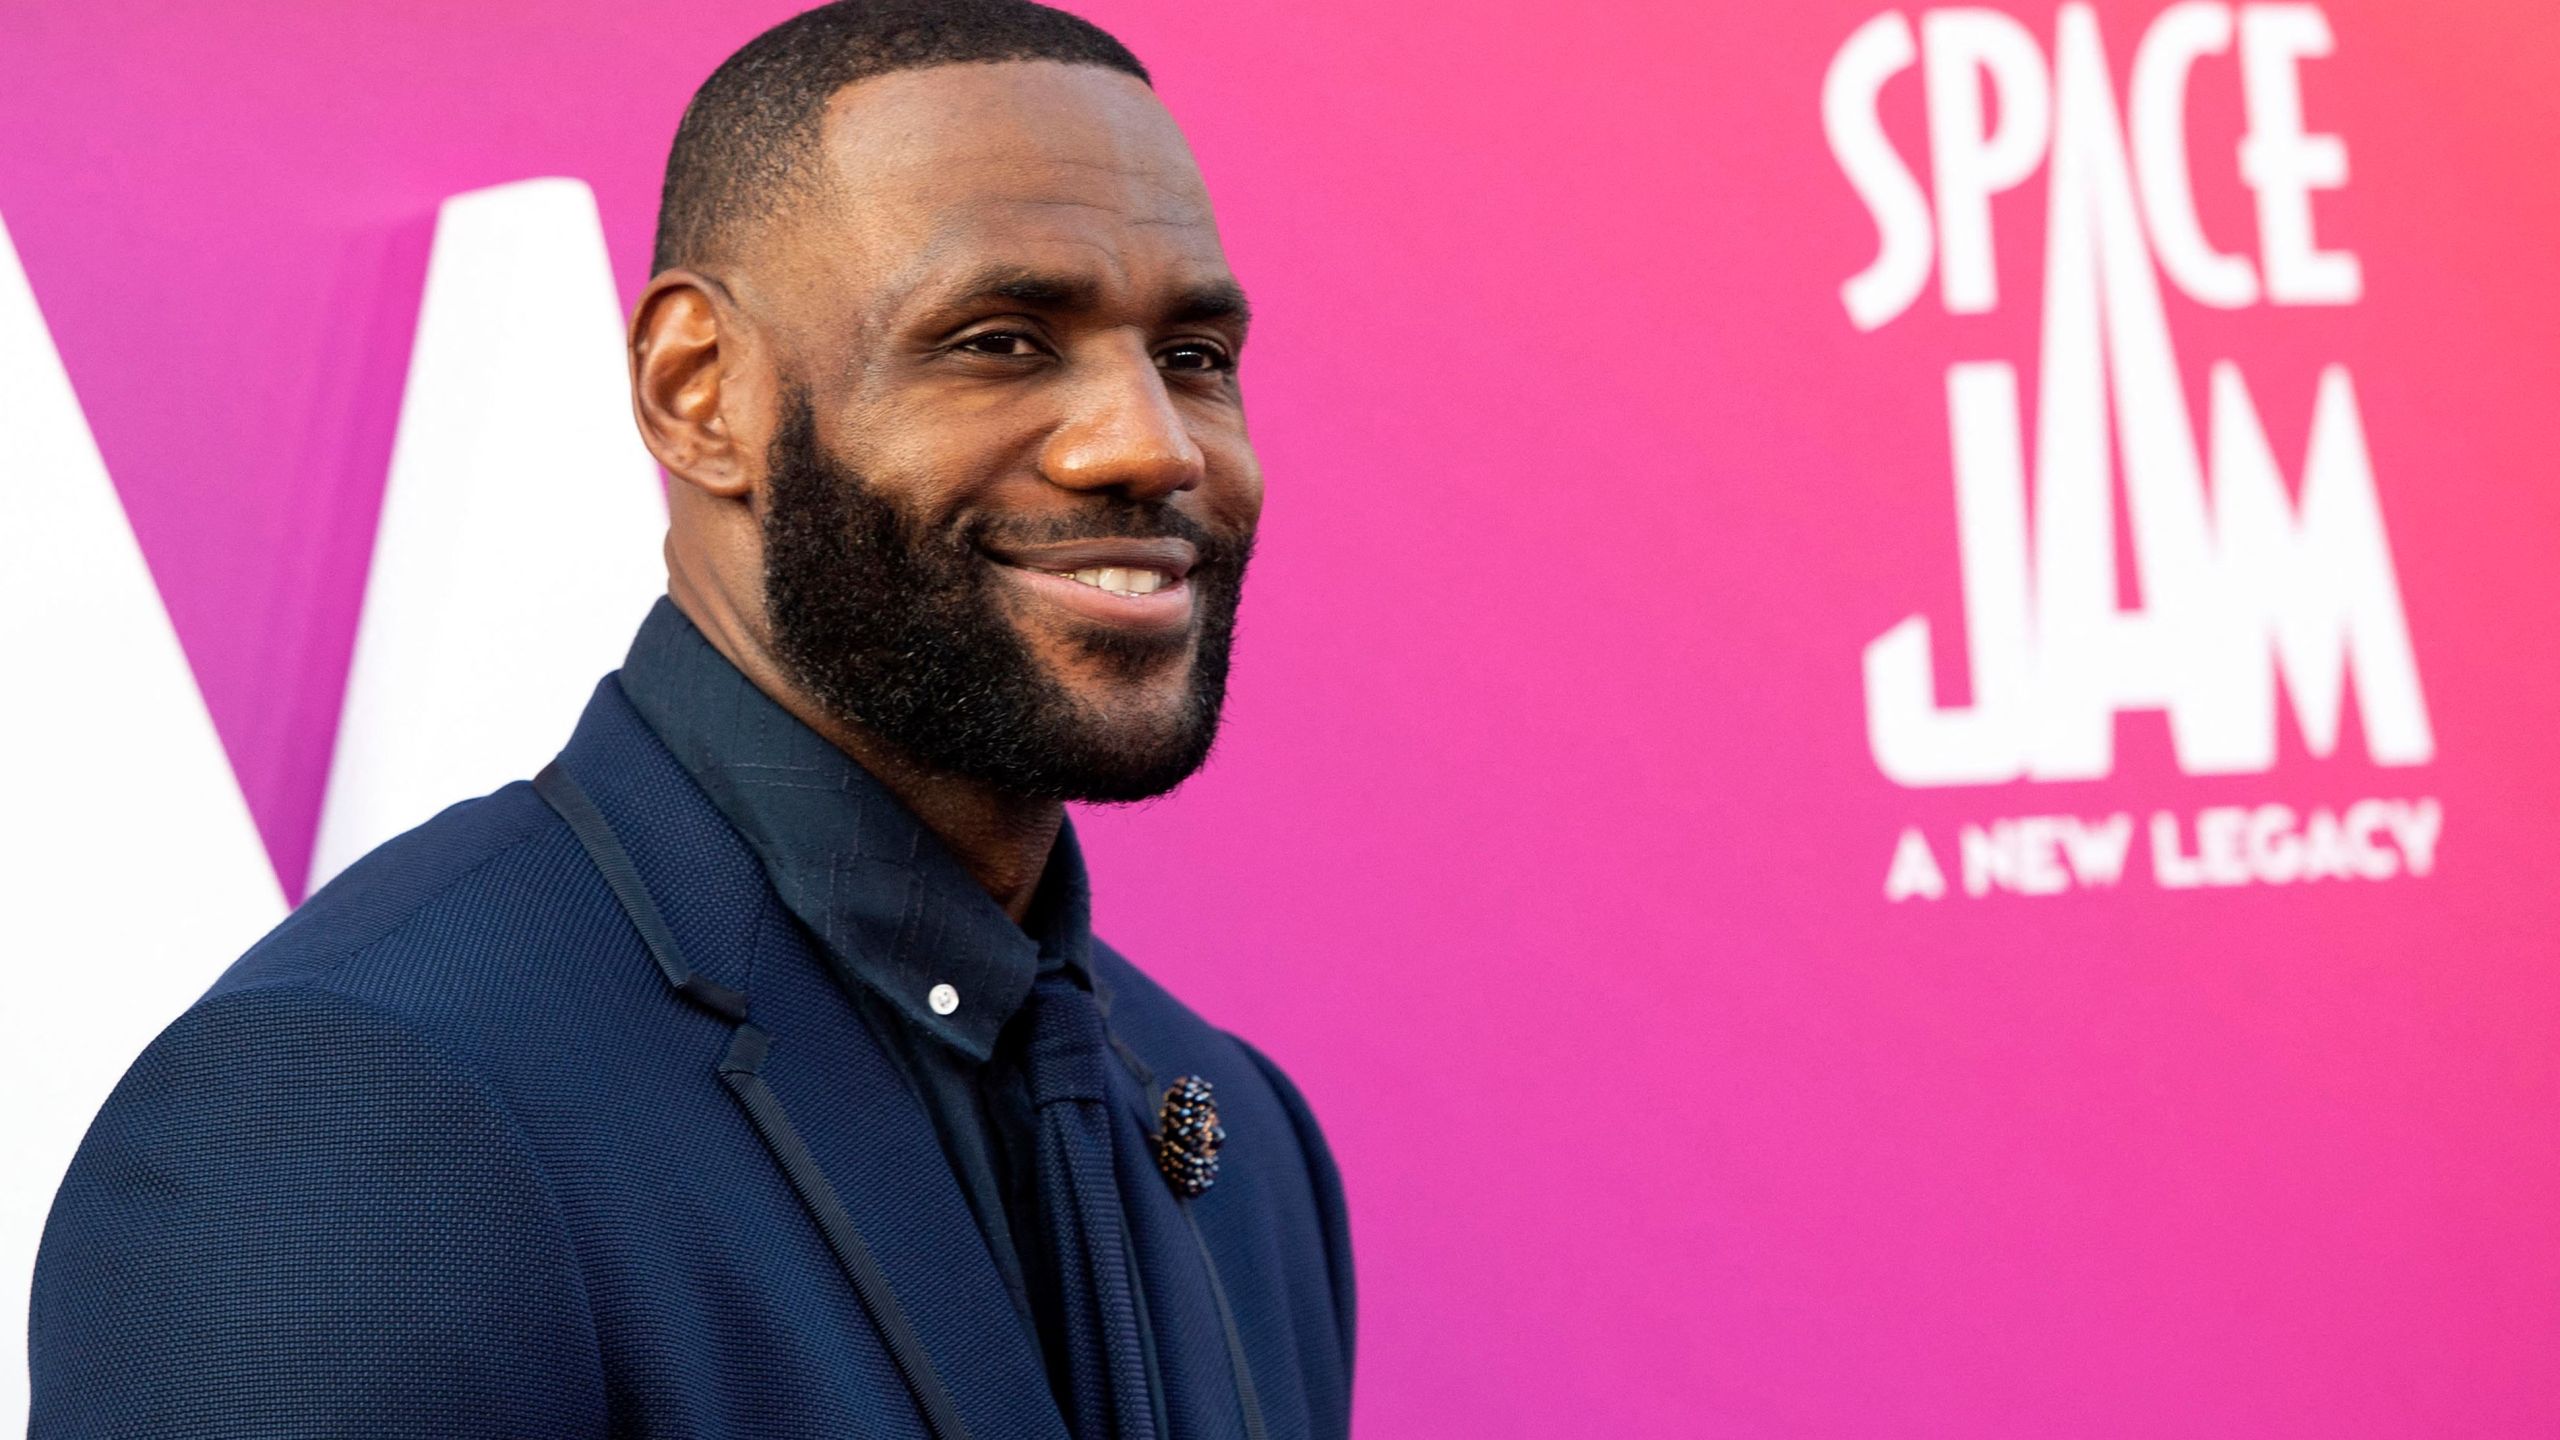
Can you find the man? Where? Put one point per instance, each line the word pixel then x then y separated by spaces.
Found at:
pixel 754 1070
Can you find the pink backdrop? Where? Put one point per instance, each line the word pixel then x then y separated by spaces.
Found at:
pixel 1547 846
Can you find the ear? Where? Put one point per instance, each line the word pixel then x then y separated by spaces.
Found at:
pixel 692 382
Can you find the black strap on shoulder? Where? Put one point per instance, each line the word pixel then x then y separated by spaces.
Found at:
pixel 740 1070
pixel 623 878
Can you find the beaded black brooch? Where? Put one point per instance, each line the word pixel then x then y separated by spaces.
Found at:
pixel 1188 1136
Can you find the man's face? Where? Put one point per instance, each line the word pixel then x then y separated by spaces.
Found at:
pixel 1009 498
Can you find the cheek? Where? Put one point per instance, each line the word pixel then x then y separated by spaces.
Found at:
pixel 1232 493
pixel 927 485
pixel 933 459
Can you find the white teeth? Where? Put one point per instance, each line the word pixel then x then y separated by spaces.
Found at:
pixel 1122 580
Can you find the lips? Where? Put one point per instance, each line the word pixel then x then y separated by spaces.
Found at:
pixel 1124 582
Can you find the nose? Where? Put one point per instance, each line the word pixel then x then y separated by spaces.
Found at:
pixel 1123 433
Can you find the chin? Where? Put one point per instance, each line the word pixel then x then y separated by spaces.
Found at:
pixel 1119 674
pixel 1155 717
pixel 1132 747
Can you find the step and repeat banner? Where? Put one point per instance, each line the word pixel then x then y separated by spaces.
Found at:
pixel 1890 769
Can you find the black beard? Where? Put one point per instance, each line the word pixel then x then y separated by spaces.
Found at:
pixel 898 628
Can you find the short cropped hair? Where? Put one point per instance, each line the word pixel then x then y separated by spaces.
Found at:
pixel 745 141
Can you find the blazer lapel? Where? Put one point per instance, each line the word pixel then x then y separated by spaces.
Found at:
pixel 872 1151
pixel 837 1119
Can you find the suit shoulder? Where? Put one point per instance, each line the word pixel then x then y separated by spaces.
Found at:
pixel 487 929
pixel 245 1068
pixel 280 1158
pixel 467 850
pixel 240 1058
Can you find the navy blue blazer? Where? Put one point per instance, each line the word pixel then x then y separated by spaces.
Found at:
pixel 447 1154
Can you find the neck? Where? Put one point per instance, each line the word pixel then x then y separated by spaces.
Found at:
pixel 1002 840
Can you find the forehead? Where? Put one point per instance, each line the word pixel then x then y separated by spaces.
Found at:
pixel 933 174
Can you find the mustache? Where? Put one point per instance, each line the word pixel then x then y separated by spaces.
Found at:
pixel 1114 520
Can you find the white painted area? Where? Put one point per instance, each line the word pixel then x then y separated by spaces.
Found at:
pixel 520 533
pixel 130 871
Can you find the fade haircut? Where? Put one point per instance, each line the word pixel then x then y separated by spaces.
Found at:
pixel 743 148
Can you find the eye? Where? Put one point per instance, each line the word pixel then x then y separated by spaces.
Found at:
pixel 1196 356
pixel 1008 343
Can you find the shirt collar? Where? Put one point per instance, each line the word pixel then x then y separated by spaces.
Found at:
pixel 893 908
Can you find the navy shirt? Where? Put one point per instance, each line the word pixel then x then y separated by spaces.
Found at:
pixel 901 922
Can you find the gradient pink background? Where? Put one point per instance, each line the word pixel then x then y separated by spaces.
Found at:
pixel 1545 846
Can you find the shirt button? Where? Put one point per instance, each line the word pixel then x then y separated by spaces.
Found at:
pixel 943 999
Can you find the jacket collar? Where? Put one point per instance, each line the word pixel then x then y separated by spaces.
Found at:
pixel 890 905
pixel 871 1173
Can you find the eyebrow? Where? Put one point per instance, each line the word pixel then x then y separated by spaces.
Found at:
pixel 1218 300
